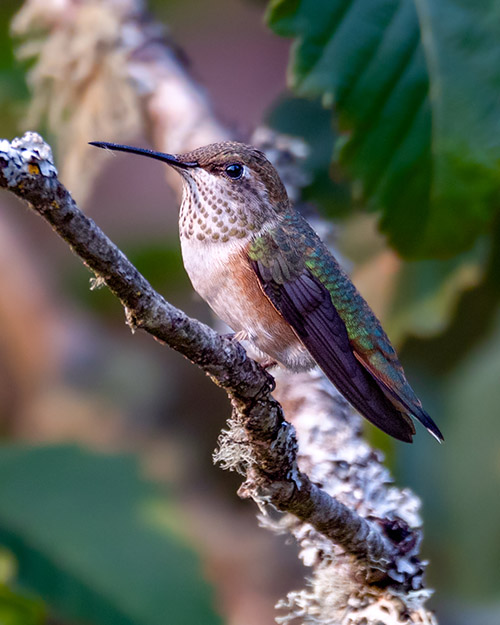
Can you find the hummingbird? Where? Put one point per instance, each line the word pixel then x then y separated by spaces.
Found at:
pixel 266 273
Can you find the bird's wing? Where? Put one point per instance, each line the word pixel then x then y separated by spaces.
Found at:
pixel 306 304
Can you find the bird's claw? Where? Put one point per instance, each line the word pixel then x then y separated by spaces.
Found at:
pixel 236 336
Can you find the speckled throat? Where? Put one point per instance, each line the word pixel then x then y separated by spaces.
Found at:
pixel 217 206
pixel 212 211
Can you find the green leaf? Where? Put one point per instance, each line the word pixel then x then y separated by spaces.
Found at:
pixel 86 533
pixel 16 609
pixel 429 163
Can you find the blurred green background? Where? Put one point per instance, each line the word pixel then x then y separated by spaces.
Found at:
pixel 110 508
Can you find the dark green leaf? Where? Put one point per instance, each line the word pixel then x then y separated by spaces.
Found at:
pixel 86 532
pixel 429 163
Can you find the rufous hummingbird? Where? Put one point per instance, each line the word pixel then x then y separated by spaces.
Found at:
pixel 266 273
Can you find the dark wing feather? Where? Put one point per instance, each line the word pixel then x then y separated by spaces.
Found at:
pixel 307 306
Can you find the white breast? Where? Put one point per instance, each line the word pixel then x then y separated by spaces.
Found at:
pixel 209 267
pixel 213 230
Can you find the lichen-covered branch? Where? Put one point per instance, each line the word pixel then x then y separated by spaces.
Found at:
pixel 334 454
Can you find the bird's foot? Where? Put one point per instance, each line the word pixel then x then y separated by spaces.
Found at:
pixel 268 363
pixel 237 336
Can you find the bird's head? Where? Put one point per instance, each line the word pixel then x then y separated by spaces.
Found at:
pixel 225 179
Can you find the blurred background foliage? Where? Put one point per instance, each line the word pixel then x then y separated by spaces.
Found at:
pixel 398 102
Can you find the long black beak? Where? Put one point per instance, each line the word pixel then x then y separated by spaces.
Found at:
pixel 170 159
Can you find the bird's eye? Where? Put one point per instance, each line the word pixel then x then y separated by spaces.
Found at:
pixel 234 171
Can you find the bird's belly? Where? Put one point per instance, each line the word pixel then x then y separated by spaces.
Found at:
pixel 225 280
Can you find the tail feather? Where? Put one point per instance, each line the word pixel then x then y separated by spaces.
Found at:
pixel 409 408
pixel 426 421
